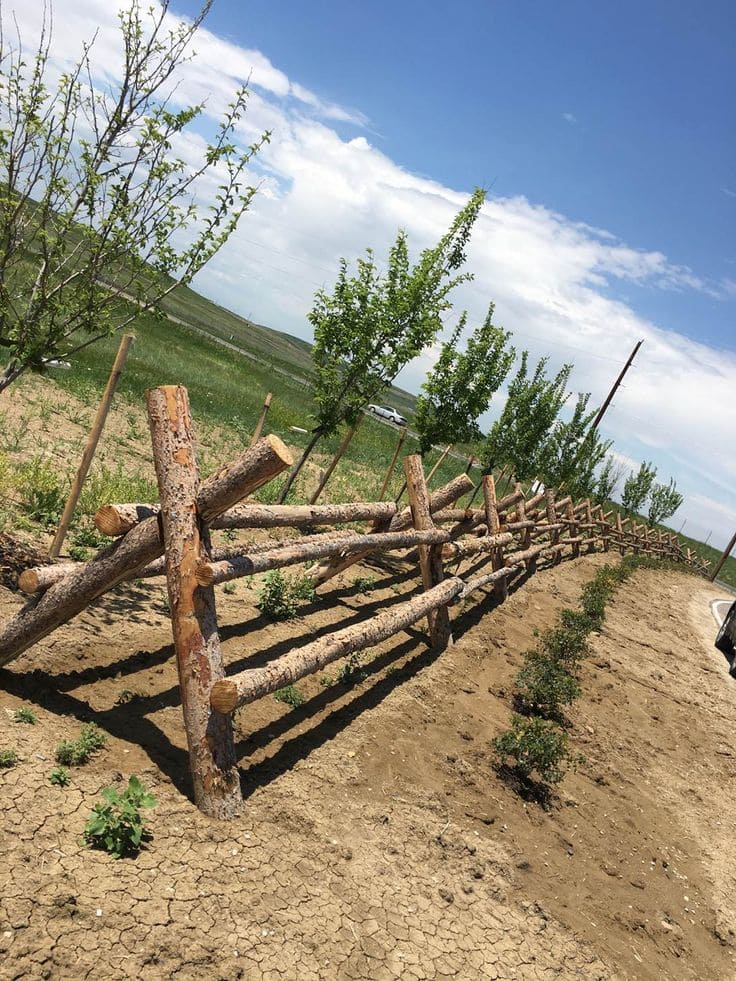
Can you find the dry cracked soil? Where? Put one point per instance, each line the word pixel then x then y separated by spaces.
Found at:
pixel 377 839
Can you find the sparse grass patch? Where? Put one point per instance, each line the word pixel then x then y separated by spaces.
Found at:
pixel 281 596
pixel 59 776
pixel 8 758
pixel 77 752
pixel 25 714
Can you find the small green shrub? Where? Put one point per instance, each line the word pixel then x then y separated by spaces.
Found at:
pixel 352 672
pixel 534 745
pixel 544 686
pixel 26 715
pixel 564 643
pixel 364 584
pixel 59 776
pixel 280 596
pixel 88 536
pixel 117 826
pixel 289 696
pixel 41 491
pixel 77 752
pixel 78 553
pixel 229 588
pixel 8 758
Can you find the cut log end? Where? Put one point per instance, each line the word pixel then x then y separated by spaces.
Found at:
pixel 224 696
pixel 280 449
pixel 204 574
pixel 28 581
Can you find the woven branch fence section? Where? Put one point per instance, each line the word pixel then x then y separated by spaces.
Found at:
pixel 172 538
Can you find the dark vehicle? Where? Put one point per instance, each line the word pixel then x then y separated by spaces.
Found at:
pixel 726 639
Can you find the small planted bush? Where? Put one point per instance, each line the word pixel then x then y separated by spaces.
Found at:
pixel 77 752
pixel 544 686
pixel 289 696
pixel 25 714
pixel 59 776
pixel 534 746
pixel 117 825
pixel 8 758
pixel 281 596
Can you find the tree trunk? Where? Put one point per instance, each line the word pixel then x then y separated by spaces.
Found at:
pixel 297 469
pixel 247 686
pixel 193 615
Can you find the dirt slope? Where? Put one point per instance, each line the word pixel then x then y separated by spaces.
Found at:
pixel 377 840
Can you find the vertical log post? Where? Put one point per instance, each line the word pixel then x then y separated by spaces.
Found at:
pixel 390 471
pixel 620 530
pixel 336 458
pixel 554 536
pixel 193 615
pixel 261 419
pixel 589 522
pixel 573 528
pixel 92 440
pixel 526 535
pixel 430 556
pixel 494 526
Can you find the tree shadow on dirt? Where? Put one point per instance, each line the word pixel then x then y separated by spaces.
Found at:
pixel 530 791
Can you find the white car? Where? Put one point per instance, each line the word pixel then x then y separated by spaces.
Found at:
pixel 386 412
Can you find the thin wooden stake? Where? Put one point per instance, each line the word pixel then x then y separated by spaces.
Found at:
pixel 390 471
pixel 261 419
pixel 494 524
pixel 193 615
pixel 430 557
pixel 336 458
pixel 437 465
pixel 92 440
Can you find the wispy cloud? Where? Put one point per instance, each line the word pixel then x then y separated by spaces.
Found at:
pixel 728 192
pixel 570 117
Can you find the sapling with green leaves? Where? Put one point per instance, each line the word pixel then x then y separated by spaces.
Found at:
pixel 100 219
pixel 373 323
pixel 664 500
pixel 460 385
pixel 573 451
pixel 637 488
pixel 608 478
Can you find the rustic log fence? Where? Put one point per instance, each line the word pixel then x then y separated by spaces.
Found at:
pixel 172 538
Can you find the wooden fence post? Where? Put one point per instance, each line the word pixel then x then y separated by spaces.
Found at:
pixel 92 440
pixel 261 419
pixel 572 529
pixel 439 463
pixel 620 531
pixel 390 471
pixel 193 615
pixel 554 536
pixel 430 556
pixel 336 459
pixel 493 521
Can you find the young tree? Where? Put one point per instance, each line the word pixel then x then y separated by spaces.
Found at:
pixel 519 436
pixel 608 478
pixel 460 385
pixel 573 452
pixel 99 217
pixel 637 488
pixel 664 500
pixel 373 323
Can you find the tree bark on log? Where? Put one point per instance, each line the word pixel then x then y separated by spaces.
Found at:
pixel 253 683
pixel 494 579
pixel 455 551
pixel 438 501
pixel 119 561
pixel 193 615
pixel 430 558
pixel 212 573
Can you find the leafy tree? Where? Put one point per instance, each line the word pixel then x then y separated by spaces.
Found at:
pixel 519 436
pixel 608 477
pixel 574 451
pixel 99 218
pixel 664 500
pixel 374 323
pixel 637 488
pixel 460 385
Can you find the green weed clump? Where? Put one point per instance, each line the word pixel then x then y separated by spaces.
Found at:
pixel 534 746
pixel 59 776
pixel 26 715
pixel 41 491
pixel 77 752
pixel 281 596
pixel 117 826
pixel 290 696
pixel 8 758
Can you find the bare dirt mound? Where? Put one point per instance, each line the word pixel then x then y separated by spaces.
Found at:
pixel 378 840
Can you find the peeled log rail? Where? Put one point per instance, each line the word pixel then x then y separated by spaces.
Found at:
pixel 454 551
pixel 491 579
pixel 212 573
pixel 247 686
pixel 65 599
pixel 119 519
pixel 438 501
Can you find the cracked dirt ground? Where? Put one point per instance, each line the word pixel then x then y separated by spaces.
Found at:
pixel 377 840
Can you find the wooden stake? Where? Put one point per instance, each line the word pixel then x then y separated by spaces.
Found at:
pixel 493 522
pixel 193 615
pixel 261 419
pixel 430 557
pixel 437 465
pixel 92 440
pixel 390 471
pixel 336 458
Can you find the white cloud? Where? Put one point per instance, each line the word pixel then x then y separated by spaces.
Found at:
pixel 570 117
pixel 324 196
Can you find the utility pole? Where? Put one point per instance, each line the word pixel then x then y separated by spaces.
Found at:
pixel 602 410
pixel 723 558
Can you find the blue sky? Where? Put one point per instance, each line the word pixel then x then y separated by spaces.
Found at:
pixel 603 132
